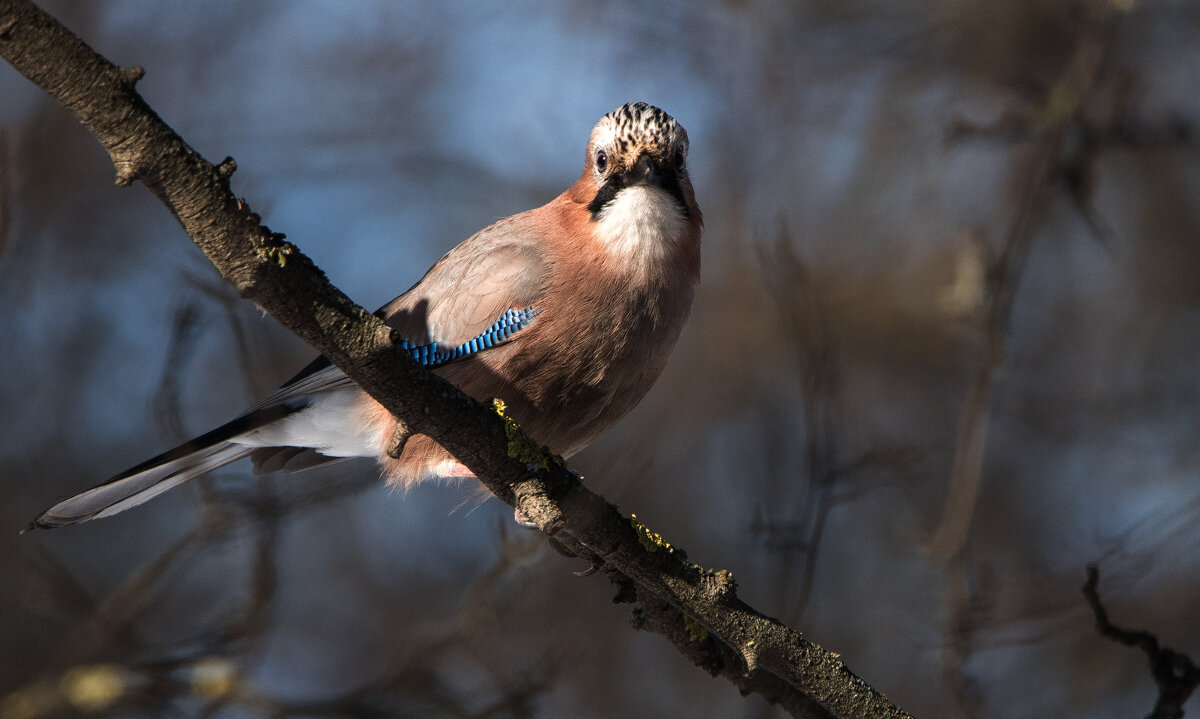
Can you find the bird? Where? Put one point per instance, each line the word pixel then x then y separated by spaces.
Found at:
pixel 567 313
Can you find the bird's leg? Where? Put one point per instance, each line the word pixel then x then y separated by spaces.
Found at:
pixel 400 436
pixel 557 530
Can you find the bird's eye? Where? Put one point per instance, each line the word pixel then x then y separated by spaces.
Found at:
pixel 601 161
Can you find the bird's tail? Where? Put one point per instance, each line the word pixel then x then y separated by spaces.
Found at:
pixel 214 449
pixel 141 483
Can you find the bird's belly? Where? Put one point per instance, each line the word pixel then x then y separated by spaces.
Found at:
pixel 566 411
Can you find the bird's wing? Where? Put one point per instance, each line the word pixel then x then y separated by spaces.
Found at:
pixel 463 297
pixel 319 376
pixel 464 294
pixel 480 294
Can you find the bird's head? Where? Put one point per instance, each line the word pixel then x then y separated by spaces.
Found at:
pixel 635 184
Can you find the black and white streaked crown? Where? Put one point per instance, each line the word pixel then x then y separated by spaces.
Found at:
pixel 637 127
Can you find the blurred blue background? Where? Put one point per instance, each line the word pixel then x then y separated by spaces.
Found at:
pixel 803 435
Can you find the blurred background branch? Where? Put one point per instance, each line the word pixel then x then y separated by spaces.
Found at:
pixel 5 192
pixel 1049 126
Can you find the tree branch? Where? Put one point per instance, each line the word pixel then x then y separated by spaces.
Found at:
pixel 758 653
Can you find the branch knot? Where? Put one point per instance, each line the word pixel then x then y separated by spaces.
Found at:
pixel 226 169
pixel 127 172
pixel 131 75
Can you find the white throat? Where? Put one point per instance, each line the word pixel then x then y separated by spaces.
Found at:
pixel 640 224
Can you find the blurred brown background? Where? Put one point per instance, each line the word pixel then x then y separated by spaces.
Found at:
pixel 944 356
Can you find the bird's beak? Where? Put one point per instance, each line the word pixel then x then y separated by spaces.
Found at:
pixel 648 172
pixel 645 172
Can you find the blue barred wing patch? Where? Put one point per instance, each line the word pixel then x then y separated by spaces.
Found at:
pixel 510 323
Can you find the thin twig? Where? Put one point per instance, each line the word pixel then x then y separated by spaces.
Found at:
pixel 1176 675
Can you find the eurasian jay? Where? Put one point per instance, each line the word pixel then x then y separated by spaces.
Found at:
pixel 567 312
